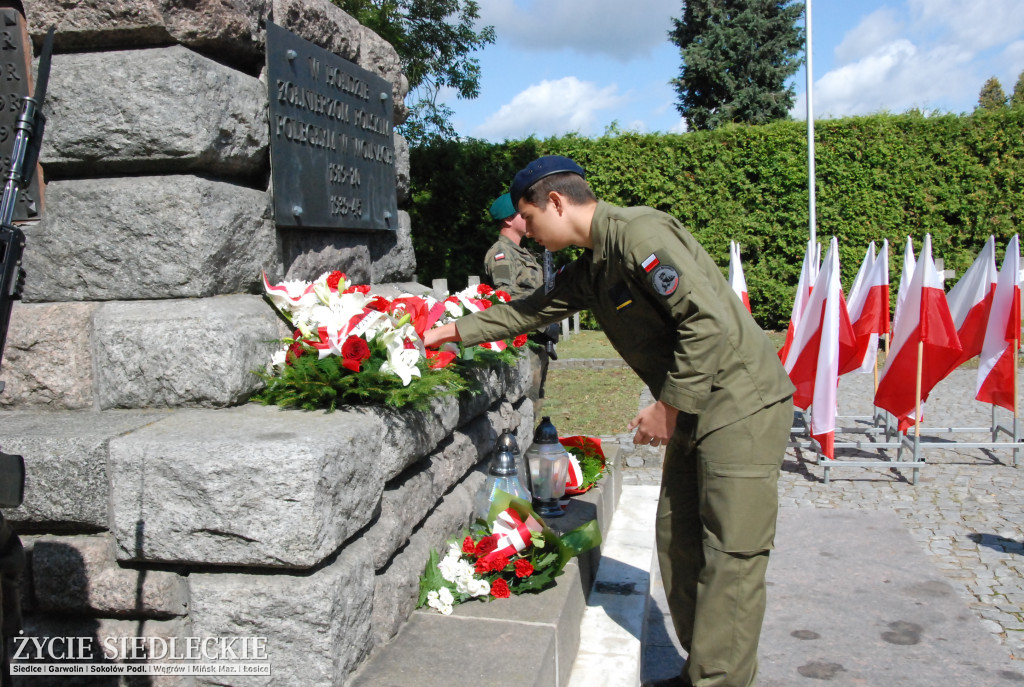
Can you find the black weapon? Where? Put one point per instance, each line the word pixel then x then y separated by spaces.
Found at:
pixel 24 157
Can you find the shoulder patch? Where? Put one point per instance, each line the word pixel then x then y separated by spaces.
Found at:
pixel 665 279
pixel 650 263
pixel 499 256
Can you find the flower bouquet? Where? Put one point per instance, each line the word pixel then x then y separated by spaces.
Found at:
pixel 350 345
pixel 514 553
pixel 586 463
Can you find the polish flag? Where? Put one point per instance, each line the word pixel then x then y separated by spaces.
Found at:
pixel 823 344
pixel 869 306
pixel 923 324
pixel 808 274
pixel 905 276
pixel 996 379
pixel 970 301
pixel 736 280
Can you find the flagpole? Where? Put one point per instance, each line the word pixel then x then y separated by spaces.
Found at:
pixel 813 222
pixel 917 403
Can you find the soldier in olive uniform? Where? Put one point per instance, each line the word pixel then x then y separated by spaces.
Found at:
pixel 723 406
pixel 507 264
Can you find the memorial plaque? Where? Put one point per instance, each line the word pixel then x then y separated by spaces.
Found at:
pixel 15 84
pixel 332 153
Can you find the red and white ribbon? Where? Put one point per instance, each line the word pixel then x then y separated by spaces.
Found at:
pixel 513 533
pixel 575 478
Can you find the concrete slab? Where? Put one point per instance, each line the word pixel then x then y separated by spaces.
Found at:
pixel 854 600
pixel 446 650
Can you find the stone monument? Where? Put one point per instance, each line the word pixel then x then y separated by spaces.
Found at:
pixel 159 503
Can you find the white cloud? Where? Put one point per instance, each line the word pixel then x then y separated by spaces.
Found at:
pixel 586 26
pixel 552 107
pixel 874 31
pixel 895 77
pixel 971 24
pixel 932 54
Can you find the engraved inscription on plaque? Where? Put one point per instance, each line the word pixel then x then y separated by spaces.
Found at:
pixel 15 84
pixel 332 153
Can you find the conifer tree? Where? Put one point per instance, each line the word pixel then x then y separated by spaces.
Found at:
pixel 737 56
pixel 1017 99
pixel 991 96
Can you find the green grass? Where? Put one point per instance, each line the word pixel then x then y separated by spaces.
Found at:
pixel 591 402
pixel 586 344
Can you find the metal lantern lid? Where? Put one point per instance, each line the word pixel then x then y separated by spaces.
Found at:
pixel 503 464
pixel 546 432
pixel 507 442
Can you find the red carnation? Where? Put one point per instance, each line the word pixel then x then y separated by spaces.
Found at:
pixel 486 545
pixel 502 296
pixel 482 567
pixel 484 290
pixel 523 568
pixel 519 341
pixel 333 278
pixel 468 546
pixel 483 305
pixel 499 589
pixel 498 564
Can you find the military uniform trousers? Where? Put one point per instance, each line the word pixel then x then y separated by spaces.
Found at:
pixel 715 527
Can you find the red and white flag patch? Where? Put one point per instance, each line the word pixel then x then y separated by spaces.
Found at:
pixel 499 256
pixel 650 263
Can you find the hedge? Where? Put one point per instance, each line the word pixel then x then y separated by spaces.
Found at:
pixel 958 177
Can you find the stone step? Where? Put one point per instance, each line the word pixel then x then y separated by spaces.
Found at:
pixel 527 640
pixel 614 623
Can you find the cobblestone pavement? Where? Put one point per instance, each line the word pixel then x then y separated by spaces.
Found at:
pixel 966 510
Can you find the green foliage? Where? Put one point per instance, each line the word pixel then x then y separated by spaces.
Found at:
pixel 737 55
pixel 312 384
pixel 434 39
pixel 991 96
pixel 1017 99
pixel 454 184
pixel 960 178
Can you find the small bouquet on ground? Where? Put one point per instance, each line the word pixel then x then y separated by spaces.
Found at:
pixel 586 463
pixel 514 553
pixel 350 345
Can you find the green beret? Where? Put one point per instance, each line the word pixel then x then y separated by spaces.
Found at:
pixel 502 208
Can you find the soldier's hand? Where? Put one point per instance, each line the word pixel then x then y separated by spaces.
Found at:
pixel 654 424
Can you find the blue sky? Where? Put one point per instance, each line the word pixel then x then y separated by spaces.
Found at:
pixel 579 65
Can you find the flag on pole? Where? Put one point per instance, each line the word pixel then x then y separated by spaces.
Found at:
pixel 905 276
pixel 736 280
pixel 808 274
pixel 923 325
pixel 869 306
pixel 970 301
pixel 823 344
pixel 996 383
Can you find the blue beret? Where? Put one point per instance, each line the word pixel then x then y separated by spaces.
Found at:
pixel 537 170
pixel 502 208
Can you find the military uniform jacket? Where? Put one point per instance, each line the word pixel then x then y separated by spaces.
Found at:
pixel 512 268
pixel 666 308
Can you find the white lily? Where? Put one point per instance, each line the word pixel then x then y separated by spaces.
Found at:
pixel 402 363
